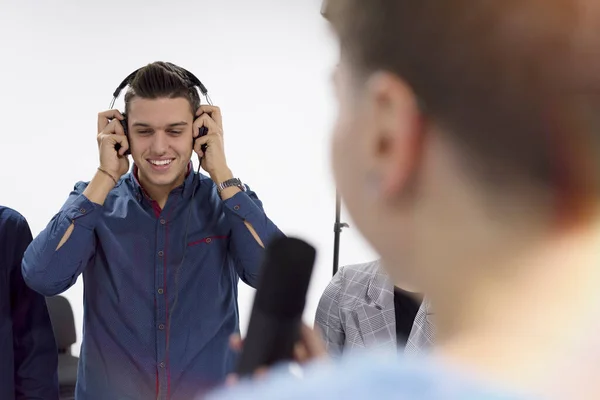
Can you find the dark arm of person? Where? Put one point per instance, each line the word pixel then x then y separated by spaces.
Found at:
pixel 36 355
pixel 328 318
pixel 251 231
pixel 57 256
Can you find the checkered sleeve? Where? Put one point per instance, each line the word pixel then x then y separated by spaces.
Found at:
pixel 328 320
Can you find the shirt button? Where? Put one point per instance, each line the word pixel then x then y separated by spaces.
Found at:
pixel 160 291
pixel 82 210
pixel 162 365
pixel 236 208
pixel 162 221
pixel 208 240
pixel 160 253
pixel 161 327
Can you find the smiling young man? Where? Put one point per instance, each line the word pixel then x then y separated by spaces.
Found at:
pixel 161 248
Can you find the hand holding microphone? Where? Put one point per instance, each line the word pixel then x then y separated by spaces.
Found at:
pixel 276 332
pixel 310 347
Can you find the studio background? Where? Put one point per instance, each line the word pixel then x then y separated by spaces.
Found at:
pixel 266 63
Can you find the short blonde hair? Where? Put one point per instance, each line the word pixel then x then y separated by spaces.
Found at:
pixel 516 83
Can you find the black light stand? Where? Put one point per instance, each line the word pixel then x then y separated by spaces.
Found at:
pixel 337 229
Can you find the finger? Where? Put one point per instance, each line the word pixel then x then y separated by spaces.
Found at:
pixel 235 342
pixel 300 353
pixel 231 380
pixel 206 121
pixel 208 141
pixel 117 128
pixel 313 342
pixel 198 143
pixel 213 111
pixel 109 140
pixel 122 140
pixel 112 140
pixel 261 373
pixel 105 117
pixel 113 127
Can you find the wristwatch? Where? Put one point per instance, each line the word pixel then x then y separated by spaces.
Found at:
pixel 231 183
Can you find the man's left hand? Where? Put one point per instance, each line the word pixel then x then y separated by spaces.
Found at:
pixel 213 159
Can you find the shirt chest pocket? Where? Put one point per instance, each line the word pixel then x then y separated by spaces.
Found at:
pixel 210 248
pixel 208 240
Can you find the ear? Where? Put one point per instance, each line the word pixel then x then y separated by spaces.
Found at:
pixel 399 132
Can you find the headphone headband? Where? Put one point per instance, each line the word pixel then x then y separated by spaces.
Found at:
pixel 195 81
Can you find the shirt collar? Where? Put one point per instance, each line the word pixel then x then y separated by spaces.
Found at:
pixel 185 189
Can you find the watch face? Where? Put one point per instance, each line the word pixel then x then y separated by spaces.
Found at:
pixel 239 184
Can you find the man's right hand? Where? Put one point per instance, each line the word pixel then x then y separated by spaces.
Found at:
pixel 110 132
pixel 309 348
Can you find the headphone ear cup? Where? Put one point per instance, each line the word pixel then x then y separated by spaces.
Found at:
pixel 124 126
pixel 203 132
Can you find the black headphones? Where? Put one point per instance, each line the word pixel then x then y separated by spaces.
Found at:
pixel 191 77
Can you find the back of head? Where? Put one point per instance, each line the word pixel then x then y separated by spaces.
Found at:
pixel 162 80
pixel 510 91
pixel 514 84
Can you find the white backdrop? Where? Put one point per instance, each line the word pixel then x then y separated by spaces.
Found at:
pixel 266 63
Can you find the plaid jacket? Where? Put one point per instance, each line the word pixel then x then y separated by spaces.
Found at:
pixel 356 311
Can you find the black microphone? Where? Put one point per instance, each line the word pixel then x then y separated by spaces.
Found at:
pixel 276 318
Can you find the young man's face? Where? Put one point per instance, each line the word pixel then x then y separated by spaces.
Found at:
pixel 160 135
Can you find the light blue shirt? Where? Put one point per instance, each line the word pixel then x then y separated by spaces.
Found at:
pixel 367 377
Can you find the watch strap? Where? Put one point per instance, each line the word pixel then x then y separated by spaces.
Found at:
pixel 233 182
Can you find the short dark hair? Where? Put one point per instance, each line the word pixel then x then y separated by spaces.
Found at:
pixel 515 83
pixel 162 79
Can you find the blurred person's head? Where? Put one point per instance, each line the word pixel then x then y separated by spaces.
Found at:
pixel 468 132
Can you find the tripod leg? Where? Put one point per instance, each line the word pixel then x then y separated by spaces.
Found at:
pixel 337 229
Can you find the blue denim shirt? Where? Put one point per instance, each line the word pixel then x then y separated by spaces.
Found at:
pixel 28 353
pixel 154 327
